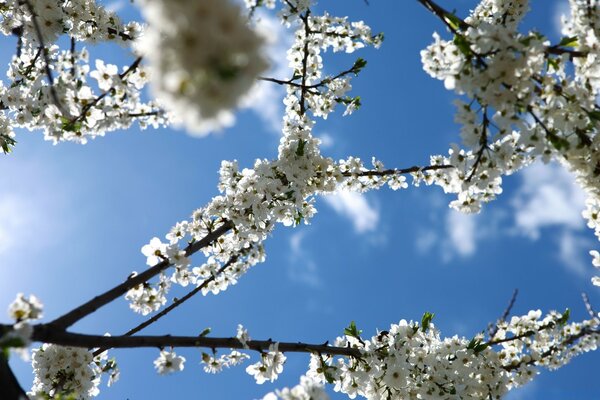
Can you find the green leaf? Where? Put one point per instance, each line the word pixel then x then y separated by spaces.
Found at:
pixel 205 332
pixel 595 115
pixel 463 45
pixel 552 63
pixel 352 331
pixel 568 41
pixel 7 143
pixel 564 317
pixel 477 346
pixel 69 125
pixel 359 65
pixel 453 21
pixel 426 320
pixel 298 218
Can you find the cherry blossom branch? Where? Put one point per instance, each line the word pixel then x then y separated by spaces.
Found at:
pixel 92 305
pixel 395 171
pixel 92 103
pixel 48 333
pixel 304 19
pixel 175 304
pixel 445 15
pixel 44 51
pixel 483 145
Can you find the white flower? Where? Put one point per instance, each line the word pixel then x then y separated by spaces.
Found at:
pixel 168 362
pixel 269 368
pixel 242 335
pixel 155 251
pixel 22 308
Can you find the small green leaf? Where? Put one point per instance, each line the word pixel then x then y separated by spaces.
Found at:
pixel 359 65
pixel 568 41
pixel 564 317
pixel 205 332
pixel 552 63
pixel 595 115
pixel 453 20
pixel 426 320
pixel 463 45
pixel 352 331
pixel 299 218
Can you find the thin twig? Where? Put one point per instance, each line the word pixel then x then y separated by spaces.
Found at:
pixel 396 171
pixel 493 329
pixel 45 52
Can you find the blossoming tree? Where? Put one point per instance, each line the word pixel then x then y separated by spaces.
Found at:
pixel 521 98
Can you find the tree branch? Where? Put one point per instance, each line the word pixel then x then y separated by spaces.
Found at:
pixel 47 333
pixel 397 171
pixel 92 305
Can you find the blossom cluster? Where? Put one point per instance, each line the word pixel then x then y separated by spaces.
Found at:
pixel 307 389
pixel 23 310
pixel 49 87
pixel 269 367
pixel 277 191
pixel 69 371
pixel 529 100
pixel 203 57
pixel 412 360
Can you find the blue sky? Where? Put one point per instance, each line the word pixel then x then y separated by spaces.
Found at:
pixel 73 219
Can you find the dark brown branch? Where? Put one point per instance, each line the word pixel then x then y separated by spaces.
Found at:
pixel 483 145
pixel 92 305
pixel 175 304
pixel 9 385
pixel 443 14
pixel 396 171
pixel 50 334
pixel 559 50
pixel 303 89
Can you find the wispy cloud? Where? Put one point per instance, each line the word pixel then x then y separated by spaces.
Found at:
pixel 548 197
pixel 356 208
pixel 266 98
pixel 326 140
pixel 17 217
pixel 573 252
pixel 460 238
pixel 301 266
pixel 560 8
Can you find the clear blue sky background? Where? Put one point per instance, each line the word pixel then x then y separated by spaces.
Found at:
pixel 73 219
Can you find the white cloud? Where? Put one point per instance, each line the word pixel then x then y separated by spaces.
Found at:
pixel 574 253
pixel 17 217
pixel 301 267
pixel 460 234
pixel 560 8
pixel 548 197
pixel 266 98
pixel 115 6
pixel 356 208
pixel 326 140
